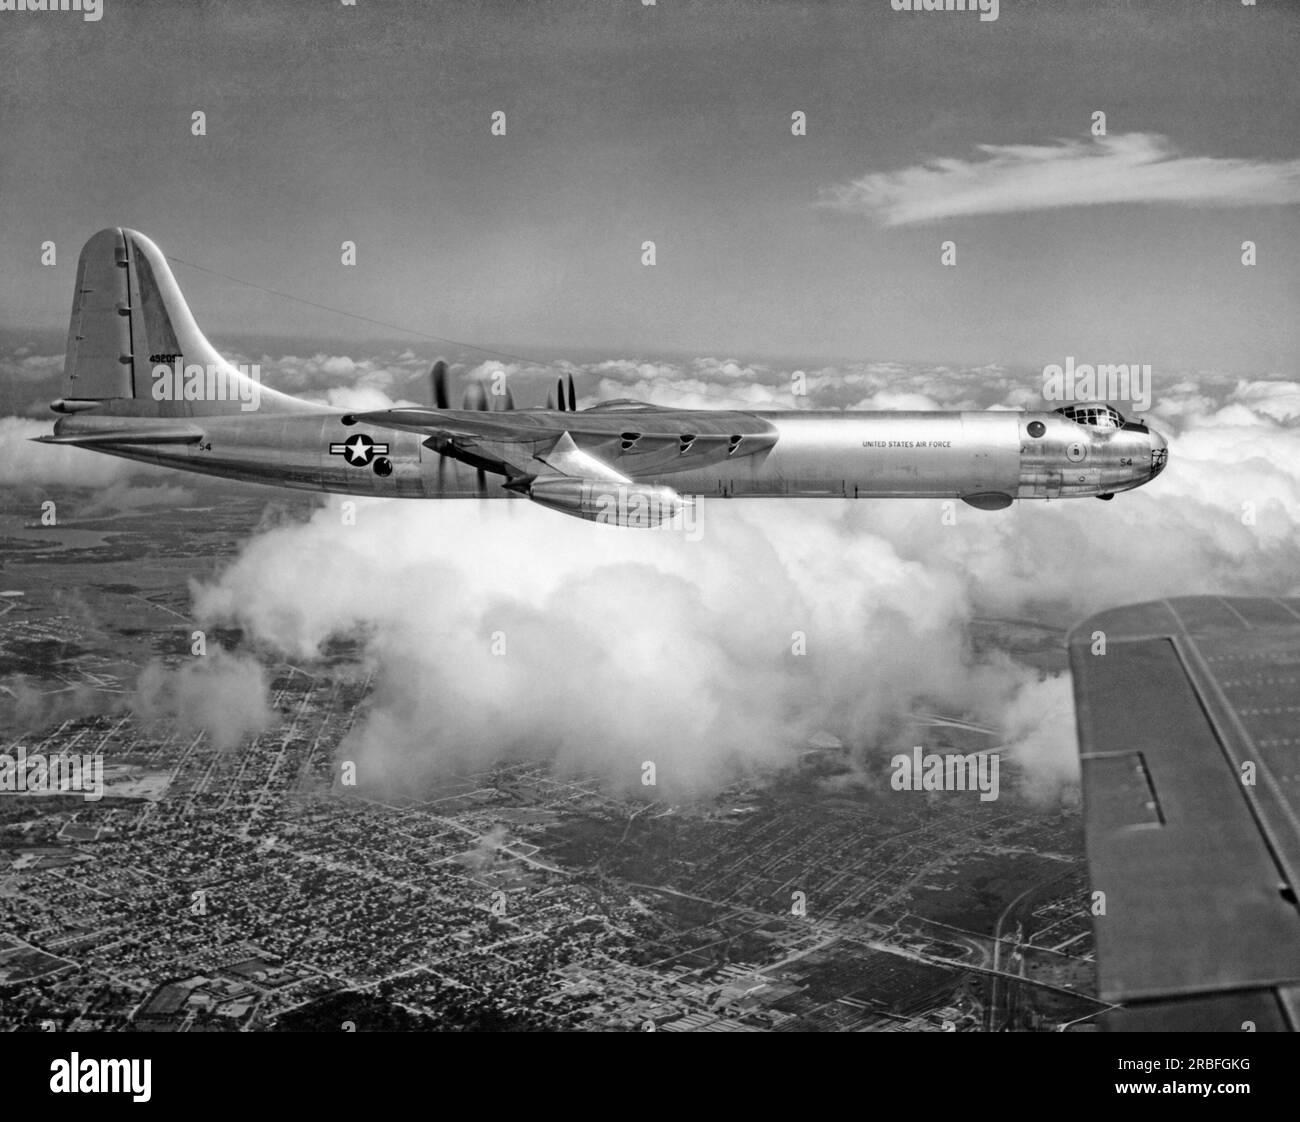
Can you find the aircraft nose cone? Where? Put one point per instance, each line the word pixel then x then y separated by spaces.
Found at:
pixel 1159 453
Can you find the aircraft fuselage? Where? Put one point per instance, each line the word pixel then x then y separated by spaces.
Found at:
pixel 988 458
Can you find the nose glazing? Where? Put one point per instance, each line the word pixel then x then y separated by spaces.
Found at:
pixel 1159 453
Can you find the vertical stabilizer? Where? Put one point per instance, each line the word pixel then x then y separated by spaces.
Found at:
pixel 133 343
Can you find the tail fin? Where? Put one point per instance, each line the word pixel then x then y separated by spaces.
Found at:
pixel 133 342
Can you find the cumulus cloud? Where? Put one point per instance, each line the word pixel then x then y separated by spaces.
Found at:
pixel 221 694
pixel 1039 737
pixel 311 376
pixel 24 462
pixel 20 365
pixel 1279 401
pixel 1010 178
pixel 498 629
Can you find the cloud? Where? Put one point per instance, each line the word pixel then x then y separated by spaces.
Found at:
pixel 28 702
pixel 21 366
pixel 1014 178
pixel 221 694
pixel 120 496
pixel 604 651
pixel 1040 738
pixel 24 462
pixel 1277 400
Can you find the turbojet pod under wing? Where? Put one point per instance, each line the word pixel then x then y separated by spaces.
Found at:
pixel 141 381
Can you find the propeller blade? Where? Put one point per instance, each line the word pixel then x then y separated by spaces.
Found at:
pixel 475 397
pixel 438 376
pixel 573 397
pixel 559 392
pixel 504 402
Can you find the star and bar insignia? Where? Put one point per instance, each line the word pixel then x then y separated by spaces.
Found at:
pixel 359 450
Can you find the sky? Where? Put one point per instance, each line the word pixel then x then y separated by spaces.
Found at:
pixel 671 123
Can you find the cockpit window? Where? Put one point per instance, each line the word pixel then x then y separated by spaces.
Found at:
pixel 1099 416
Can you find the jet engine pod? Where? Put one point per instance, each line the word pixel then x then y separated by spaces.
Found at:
pixel 603 500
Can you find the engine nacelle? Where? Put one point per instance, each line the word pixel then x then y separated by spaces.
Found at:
pixel 600 500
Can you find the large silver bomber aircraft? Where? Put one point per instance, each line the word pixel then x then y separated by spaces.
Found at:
pixel 141 381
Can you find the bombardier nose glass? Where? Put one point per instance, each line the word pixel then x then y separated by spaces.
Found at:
pixel 1159 457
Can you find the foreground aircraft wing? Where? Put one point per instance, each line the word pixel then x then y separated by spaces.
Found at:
pixel 615 443
pixel 1189 733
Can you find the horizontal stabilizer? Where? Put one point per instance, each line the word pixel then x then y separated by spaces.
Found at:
pixel 125 436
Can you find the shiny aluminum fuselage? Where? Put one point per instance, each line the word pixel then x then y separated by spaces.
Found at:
pixel 817 454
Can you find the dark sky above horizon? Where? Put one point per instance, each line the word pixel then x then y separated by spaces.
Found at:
pixel 671 123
